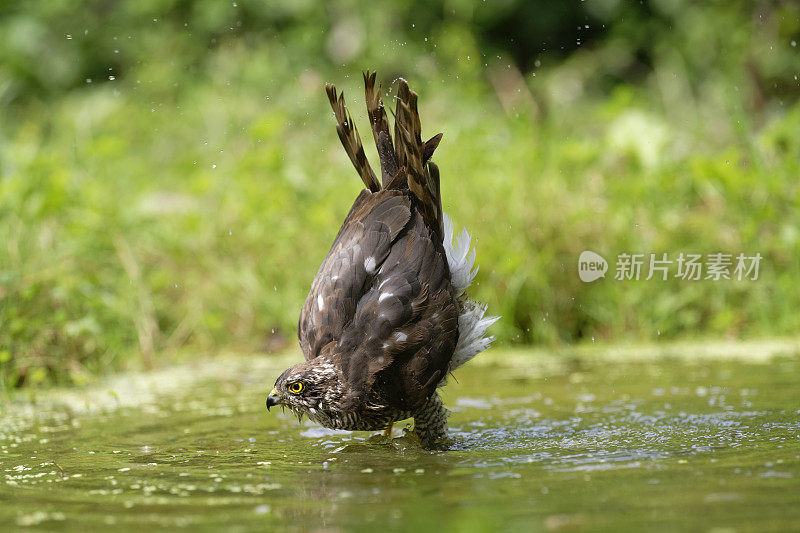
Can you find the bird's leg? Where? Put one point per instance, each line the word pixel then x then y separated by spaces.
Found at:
pixel 430 422
pixel 388 431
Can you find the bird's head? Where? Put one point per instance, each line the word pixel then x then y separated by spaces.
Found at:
pixel 310 388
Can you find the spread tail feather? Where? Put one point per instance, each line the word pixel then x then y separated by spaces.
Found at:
pixel 351 140
pixel 405 163
pixel 380 129
pixel 414 156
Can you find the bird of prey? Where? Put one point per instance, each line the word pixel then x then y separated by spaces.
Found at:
pixel 387 318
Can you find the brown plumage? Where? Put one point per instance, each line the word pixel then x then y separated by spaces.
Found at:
pixel 380 327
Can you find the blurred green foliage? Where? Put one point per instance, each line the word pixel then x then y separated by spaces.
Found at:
pixel 170 177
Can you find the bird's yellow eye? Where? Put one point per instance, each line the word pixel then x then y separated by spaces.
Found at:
pixel 297 387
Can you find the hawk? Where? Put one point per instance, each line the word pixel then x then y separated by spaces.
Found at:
pixel 387 318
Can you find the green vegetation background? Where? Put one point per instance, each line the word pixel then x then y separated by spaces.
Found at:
pixel 170 176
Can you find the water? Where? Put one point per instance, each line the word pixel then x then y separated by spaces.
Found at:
pixel 539 442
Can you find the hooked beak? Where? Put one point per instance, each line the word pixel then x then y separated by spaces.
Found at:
pixel 273 398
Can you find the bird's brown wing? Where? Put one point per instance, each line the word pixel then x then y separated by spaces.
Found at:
pixel 363 243
pixel 405 327
pixel 383 301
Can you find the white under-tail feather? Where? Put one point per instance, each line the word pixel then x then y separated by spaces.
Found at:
pixel 472 324
pixel 460 258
